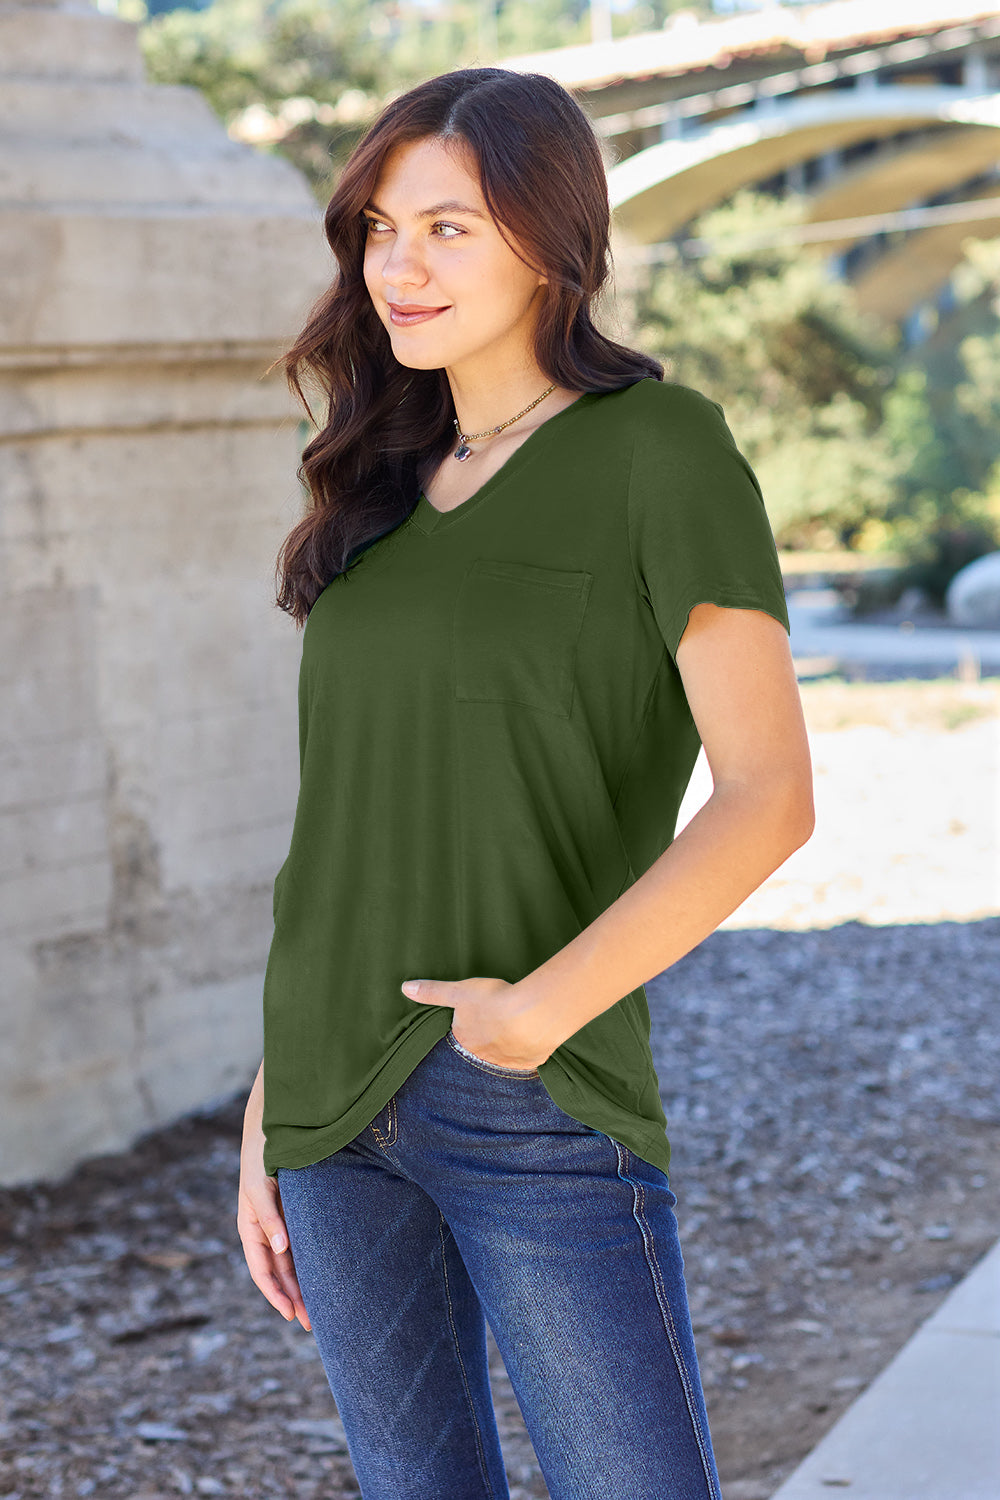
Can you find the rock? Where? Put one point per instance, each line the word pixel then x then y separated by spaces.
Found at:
pixel 161 1432
pixel 320 1427
pixel 973 595
pixel 912 601
pixel 61 1334
pixel 940 1283
pixel 204 1345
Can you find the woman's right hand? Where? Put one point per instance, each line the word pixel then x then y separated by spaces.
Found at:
pixel 260 1221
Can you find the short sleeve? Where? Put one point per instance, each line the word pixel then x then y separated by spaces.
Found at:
pixel 698 528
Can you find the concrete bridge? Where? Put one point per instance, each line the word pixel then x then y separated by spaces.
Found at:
pixel 884 115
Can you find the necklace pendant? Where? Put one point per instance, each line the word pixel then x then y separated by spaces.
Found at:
pixel 463 451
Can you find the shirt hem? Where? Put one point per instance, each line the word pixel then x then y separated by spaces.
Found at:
pixel 651 1146
pixel 324 1140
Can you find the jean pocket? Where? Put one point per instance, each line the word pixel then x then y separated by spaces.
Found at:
pixel 488 1067
pixel 515 633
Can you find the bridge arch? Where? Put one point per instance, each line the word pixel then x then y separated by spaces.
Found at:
pixel 929 140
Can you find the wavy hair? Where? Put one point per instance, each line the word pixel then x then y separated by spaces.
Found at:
pixel 542 178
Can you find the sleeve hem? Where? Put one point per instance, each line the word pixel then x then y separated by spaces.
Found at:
pixel 726 599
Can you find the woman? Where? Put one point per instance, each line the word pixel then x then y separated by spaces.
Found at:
pixel 536 578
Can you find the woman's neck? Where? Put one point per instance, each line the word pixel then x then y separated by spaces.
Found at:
pixel 480 407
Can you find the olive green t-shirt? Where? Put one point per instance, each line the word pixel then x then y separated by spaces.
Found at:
pixel 494 744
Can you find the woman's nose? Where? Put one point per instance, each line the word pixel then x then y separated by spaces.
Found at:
pixel 402 260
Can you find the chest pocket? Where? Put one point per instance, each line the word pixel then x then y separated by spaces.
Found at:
pixel 515 632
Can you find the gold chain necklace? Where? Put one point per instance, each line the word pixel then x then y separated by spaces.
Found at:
pixel 463 450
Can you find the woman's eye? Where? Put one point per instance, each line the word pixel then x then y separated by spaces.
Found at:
pixel 374 226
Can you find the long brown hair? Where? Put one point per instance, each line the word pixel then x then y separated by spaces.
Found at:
pixel 542 177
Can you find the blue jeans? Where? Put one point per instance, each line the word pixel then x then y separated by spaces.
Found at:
pixel 473 1194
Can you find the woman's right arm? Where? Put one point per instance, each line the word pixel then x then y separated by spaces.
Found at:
pixel 260 1221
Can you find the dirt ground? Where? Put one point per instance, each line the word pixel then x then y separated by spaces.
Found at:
pixel 831 1093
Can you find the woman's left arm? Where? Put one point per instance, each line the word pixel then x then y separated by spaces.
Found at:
pixel 739 678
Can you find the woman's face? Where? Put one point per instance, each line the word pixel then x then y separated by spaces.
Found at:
pixel 454 259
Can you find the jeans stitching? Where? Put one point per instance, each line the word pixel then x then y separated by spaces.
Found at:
pixel 391 1125
pixel 668 1319
pixel 484 1066
pixel 442 1225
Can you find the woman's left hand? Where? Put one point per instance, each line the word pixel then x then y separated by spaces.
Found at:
pixel 491 1018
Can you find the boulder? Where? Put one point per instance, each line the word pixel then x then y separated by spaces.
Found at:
pixel 973 596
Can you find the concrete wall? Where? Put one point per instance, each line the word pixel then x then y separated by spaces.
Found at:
pixel 151 270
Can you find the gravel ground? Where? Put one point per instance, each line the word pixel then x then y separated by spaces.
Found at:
pixel 828 1060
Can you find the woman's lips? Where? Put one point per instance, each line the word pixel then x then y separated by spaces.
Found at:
pixel 403 320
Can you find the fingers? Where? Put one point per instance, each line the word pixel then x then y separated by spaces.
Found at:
pixel 271 1220
pixel 264 1237
pixel 274 1277
pixel 285 1264
pixel 285 1274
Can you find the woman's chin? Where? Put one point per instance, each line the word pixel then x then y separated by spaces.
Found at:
pixel 412 362
pixel 416 359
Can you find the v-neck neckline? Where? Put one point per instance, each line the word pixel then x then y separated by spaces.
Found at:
pixel 428 519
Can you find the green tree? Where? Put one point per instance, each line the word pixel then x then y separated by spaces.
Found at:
pixel 305 77
pixel 302 77
pixel 942 417
pixel 800 373
pixel 857 442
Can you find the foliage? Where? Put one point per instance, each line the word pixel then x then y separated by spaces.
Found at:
pixel 857 443
pixel 942 417
pixel 800 374
pixel 304 77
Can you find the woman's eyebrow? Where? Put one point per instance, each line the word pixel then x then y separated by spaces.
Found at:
pixel 449 206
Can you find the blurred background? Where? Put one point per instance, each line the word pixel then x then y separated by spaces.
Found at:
pixel 806 212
